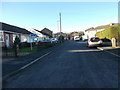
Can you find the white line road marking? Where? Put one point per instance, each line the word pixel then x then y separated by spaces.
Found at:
pixel 34 61
pixel 108 52
pixel 100 48
pixel 22 68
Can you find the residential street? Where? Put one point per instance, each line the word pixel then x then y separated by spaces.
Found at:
pixel 72 66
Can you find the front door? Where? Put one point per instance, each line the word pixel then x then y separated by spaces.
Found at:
pixel 7 40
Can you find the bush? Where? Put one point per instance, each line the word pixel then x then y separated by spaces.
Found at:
pixel 61 38
pixel 26 44
pixel 49 44
pixel 43 45
pixel 109 33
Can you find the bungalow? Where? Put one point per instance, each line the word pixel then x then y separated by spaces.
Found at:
pixel 41 35
pixel 9 32
pixel 90 32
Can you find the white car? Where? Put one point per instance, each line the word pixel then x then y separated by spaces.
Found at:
pixel 54 40
pixel 76 38
pixel 94 41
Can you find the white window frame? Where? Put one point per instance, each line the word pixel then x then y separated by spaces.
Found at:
pixel 2 35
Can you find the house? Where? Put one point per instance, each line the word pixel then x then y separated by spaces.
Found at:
pixel 41 35
pixel 48 32
pixel 74 34
pixel 9 32
pixel 57 35
pixel 90 32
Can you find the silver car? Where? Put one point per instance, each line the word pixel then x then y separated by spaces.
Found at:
pixel 94 41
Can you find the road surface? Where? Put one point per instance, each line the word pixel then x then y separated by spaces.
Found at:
pixel 71 66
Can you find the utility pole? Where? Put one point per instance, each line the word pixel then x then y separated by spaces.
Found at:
pixel 60 23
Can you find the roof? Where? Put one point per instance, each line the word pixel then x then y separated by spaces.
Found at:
pixel 90 29
pixel 102 27
pixel 58 33
pixel 46 29
pixel 47 32
pixel 11 28
pixel 41 32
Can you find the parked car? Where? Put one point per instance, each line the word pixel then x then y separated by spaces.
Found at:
pixel 106 42
pixel 94 41
pixel 46 40
pixel 76 38
pixel 54 40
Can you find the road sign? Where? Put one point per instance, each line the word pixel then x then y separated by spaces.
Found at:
pixel 33 36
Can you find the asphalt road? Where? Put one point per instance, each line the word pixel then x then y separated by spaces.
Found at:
pixel 71 66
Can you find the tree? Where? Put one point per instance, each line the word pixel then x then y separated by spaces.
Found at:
pixel 17 41
pixel 61 38
pixel 16 45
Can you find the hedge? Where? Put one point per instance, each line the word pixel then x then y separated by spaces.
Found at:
pixel 109 33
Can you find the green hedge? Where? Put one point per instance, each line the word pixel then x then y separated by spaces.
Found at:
pixel 109 33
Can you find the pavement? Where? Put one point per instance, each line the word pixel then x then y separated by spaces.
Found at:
pixel 4 60
pixel 111 50
pixel 73 65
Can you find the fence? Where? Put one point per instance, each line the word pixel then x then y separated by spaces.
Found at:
pixel 12 52
pixel 24 49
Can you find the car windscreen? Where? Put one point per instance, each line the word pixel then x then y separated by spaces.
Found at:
pixel 95 39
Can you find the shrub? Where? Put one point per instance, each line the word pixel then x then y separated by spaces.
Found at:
pixel 109 33
pixel 26 44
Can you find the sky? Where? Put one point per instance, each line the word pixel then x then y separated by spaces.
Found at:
pixel 75 16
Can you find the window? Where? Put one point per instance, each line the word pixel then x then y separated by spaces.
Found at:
pixel 23 38
pixel 1 36
pixel 14 37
